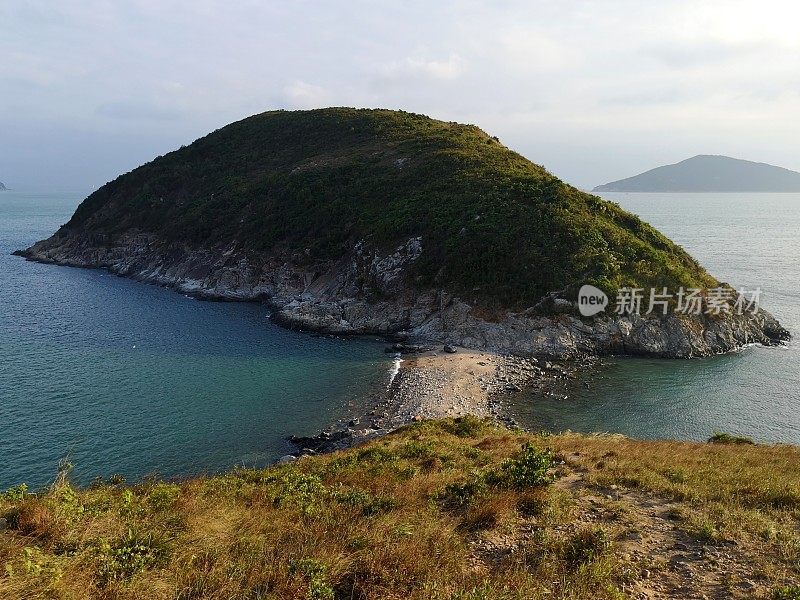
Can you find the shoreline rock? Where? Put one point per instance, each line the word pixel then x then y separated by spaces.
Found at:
pixel 367 292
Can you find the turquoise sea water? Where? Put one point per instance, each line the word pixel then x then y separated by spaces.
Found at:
pixel 748 240
pixel 135 379
pixel 129 378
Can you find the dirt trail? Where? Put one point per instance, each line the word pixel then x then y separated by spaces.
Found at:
pixel 673 564
pixel 666 561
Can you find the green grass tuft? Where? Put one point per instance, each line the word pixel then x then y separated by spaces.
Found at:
pixel 720 437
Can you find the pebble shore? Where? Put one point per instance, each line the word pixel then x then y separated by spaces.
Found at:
pixel 437 382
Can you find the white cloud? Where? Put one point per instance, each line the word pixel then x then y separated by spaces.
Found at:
pixel 414 67
pixel 136 110
pixel 300 94
pixel 532 50
pixel 590 89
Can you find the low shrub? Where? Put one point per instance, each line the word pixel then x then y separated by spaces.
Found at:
pixel 369 504
pixel 459 495
pixel 720 437
pixel 163 495
pixel 786 592
pixel 417 450
pixel 586 546
pixel 130 554
pixel 531 467
pixel 35 563
pixel 302 490
pixel 466 426
pixel 316 574
pixel 15 494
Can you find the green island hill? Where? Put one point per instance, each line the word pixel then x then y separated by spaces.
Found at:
pixel 375 221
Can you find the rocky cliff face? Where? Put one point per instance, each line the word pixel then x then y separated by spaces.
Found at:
pixel 367 291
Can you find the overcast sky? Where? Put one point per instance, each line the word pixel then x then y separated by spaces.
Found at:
pixel 594 91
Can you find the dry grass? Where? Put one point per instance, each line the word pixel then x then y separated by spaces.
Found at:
pixel 434 511
pixel 762 482
pixel 741 495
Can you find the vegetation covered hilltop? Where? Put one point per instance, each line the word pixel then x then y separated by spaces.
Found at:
pixel 496 228
pixel 454 509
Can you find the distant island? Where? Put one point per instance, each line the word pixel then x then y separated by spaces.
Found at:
pixel 707 173
pixel 2 187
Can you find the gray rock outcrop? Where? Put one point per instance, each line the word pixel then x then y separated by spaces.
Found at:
pixel 368 291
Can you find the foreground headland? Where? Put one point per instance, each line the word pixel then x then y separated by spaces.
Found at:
pixel 456 508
